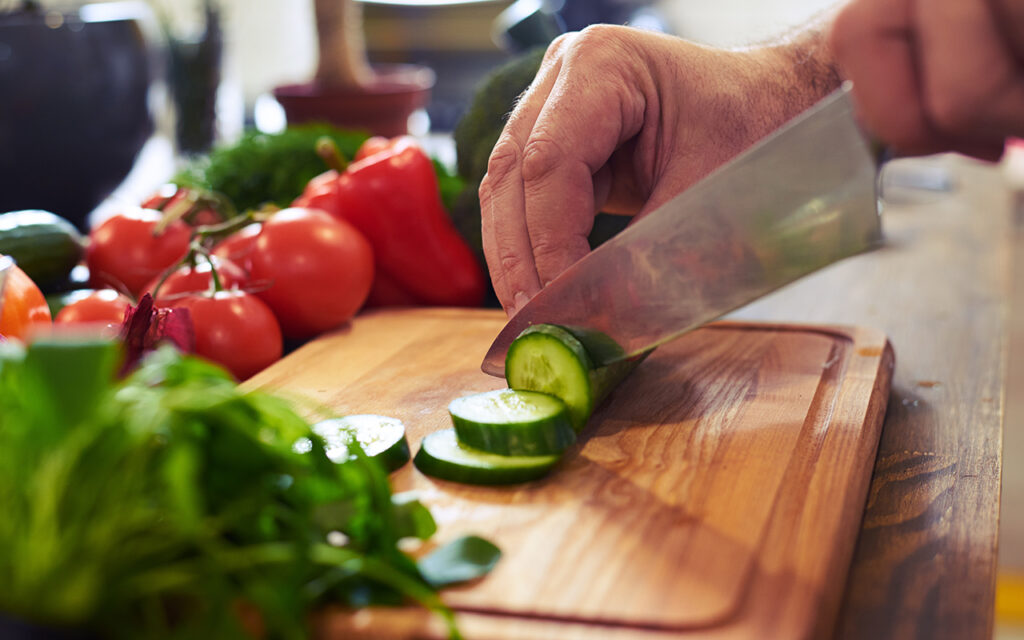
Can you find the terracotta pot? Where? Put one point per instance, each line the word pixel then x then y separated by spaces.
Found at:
pixel 383 107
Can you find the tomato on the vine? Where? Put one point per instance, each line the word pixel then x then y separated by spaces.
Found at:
pixel 104 306
pixel 238 246
pixel 319 270
pixel 23 306
pixel 125 252
pixel 187 279
pixel 171 194
pixel 234 329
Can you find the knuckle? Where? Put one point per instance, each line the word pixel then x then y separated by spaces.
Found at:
pixel 510 262
pixel 547 249
pixel 558 45
pixel 598 36
pixel 504 158
pixel 540 158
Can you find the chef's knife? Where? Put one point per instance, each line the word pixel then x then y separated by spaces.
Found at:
pixel 800 199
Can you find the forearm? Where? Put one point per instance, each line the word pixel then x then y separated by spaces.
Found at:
pixel 800 69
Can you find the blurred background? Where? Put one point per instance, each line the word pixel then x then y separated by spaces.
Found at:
pixel 143 86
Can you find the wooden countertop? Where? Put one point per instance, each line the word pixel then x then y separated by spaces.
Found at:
pixel 925 560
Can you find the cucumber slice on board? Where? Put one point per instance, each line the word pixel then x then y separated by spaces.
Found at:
pixel 380 437
pixel 441 455
pixel 513 423
pixel 553 359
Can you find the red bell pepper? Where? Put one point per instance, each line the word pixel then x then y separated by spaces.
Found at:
pixel 392 197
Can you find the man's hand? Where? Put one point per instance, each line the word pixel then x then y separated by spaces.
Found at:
pixel 621 120
pixel 936 76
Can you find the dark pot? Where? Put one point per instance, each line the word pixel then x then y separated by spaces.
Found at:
pixel 73 107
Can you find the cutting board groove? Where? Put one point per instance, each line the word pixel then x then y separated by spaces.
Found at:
pixel 717 492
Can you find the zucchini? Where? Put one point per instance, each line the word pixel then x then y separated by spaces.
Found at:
pixel 44 245
pixel 553 359
pixel 441 455
pixel 513 423
pixel 379 437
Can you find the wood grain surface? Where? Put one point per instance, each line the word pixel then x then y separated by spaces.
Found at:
pixel 718 493
pixel 925 562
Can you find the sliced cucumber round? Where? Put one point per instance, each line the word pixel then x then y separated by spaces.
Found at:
pixel 513 423
pixel 379 437
pixel 441 455
pixel 549 359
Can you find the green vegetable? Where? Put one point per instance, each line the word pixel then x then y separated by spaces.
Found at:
pixel 44 245
pixel 460 560
pixel 510 422
pixel 553 359
pixel 273 168
pixel 263 168
pixel 151 507
pixel 441 455
pixel 379 437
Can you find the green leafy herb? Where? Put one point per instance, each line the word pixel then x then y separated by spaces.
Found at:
pixel 262 168
pixel 460 560
pixel 163 504
pixel 273 168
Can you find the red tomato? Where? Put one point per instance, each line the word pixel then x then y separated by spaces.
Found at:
pixel 104 306
pixel 124 253
pixel 185 279
pixel 319 270
pixel 23 306
pixel 238 247
pixel 234 329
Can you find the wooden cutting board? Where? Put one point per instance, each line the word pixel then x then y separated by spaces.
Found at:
pixel 717 493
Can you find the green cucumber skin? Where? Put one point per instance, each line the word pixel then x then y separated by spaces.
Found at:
pixel 395 456
pixel 44 245
pixel 600 380
pixel 529 345
pixel 530 467
pixel 527 423
pixel 540 438
pixel 392 457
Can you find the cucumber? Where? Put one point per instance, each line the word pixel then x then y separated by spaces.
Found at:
pixel 44 245
pixel 379 437
pixel 513 423
pixel 441 455
pixel 552 359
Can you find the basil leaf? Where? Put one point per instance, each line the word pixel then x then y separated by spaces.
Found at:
pixel 460 560
pixel 412 519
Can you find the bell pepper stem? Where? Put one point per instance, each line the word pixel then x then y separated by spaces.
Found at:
pixel 329 152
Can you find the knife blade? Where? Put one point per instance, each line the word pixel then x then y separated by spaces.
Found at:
pixel 800 199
